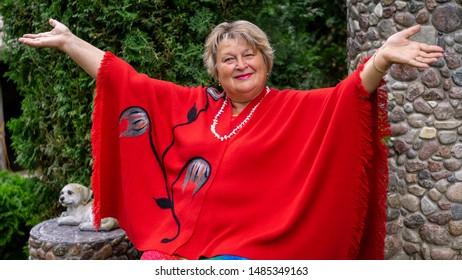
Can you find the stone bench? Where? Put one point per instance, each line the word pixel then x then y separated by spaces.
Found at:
pixel 49 241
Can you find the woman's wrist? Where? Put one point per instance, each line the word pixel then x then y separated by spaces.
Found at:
pixel 67 44
pixel 379 63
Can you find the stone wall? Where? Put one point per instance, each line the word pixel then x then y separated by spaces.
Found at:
pixel 424 216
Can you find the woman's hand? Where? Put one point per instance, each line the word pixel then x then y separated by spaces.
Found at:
pixel 56 38
pixel 398 49
pixel 61 38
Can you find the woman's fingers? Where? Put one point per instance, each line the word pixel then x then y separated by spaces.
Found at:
pixel 53 22
pixel 52 39
pixel 409 32
pixel 431 49
pixel 428 53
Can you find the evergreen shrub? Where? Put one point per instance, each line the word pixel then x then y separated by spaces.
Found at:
pixel 21 208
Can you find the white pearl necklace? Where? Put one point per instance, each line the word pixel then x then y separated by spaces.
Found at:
pixel 236 129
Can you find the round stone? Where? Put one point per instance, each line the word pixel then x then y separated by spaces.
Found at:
pixel 378 10
pixel 455 228
pixel 425 251
pixel 431 4
pixel 456 151
pixel 411 154
pixel 428 184
pixel 458 37
pixel 444 111
pixel 392 228
pixel 401 147
pixel 434 234
pixel 434 166
pixel 421 106
pixel 416 190
pixel 442 186
pixel 411 248
pixel 393 245
pixel 457 244
pixel 441 253
pixel 422 17
pixel 399 129
pixel 397 115
pixel 414 221
pixel 414 90
pixel 60 250
pixel 447 137
pixel 456 93
pixel 413 166
pixel 458 175
pixel 447 18
pixel 405 19
pixel 416 120
pixel 428 147
pixel 403 73
pixel 457 77
pixel 428 207
pixel 415 6
pixel 434 94
pixel 454 193
pixel 410 178
pixel 393 200
pixel 431 78
pixel 446 125
pixel 452 58
pixel 456 211
pixel 410 202
pixel 452 164
pixel 428 133
pixel 444 152
pixel 440 218
pixel 434 195
pixel 411 236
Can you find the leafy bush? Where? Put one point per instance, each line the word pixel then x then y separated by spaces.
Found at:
pixel 21 208
pixel 161 38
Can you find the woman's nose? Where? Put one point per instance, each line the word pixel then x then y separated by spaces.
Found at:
pixel 240 64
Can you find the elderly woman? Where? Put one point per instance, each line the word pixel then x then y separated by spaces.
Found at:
pixel 250 172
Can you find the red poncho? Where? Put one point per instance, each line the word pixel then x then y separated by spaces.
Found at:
pixel 304 178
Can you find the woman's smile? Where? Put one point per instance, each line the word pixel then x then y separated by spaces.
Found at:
pixel 244 76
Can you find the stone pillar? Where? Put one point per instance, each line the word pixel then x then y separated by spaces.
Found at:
pixel 424 216
pixel 49 241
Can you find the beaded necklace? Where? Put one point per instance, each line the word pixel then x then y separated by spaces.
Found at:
pixel 236 129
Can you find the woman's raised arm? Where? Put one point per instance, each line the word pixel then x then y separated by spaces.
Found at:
pixel 399 49
pixel 61 38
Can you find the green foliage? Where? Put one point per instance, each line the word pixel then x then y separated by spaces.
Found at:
pixel 162 38
pixel 21 208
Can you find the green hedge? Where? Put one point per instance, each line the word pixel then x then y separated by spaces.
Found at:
pixel 21 208
pixel 163 39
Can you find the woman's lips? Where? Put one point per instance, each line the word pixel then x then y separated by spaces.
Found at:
pixel 243 76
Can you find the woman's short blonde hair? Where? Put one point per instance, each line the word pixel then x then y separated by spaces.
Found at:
pixel 238 30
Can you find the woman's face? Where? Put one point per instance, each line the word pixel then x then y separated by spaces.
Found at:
pixel 242 71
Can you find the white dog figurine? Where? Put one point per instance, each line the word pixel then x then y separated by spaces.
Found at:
pixel 78 200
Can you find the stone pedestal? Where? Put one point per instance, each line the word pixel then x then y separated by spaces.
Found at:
pixel 49 241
